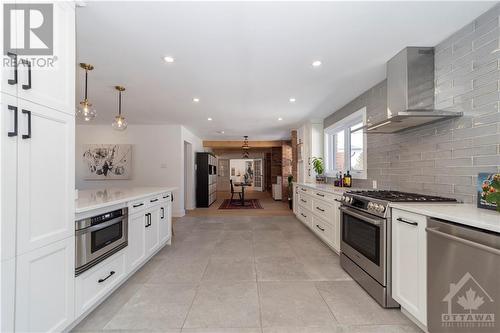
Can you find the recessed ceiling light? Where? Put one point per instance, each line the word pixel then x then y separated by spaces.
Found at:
pixel 316 63
pixel 280 119
pixel 209 119
pixel 292 99
pixel 196 100
pixel 220 132
pixel 169 59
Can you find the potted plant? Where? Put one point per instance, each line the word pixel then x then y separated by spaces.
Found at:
pixel 290 191
pixel 319 168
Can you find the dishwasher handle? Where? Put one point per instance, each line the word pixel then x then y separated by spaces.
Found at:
pixel 464 241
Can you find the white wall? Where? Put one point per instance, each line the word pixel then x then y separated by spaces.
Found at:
pixel 197 146
pixel 157 157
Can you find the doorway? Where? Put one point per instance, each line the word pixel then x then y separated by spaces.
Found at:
pixel 188 177
pixel 248 171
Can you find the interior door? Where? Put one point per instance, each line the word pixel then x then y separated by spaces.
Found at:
pixel 258 177
pixel 223 175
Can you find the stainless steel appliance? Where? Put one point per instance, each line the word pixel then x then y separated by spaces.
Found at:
pixel 463 267
pixel 98 237
pixel 366 238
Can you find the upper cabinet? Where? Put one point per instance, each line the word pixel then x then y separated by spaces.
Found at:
pixel 45 79
pixel 310 141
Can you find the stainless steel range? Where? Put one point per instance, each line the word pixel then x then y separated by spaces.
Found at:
pixel 365 238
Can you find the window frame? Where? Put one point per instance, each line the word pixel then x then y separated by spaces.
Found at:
pixel 345 125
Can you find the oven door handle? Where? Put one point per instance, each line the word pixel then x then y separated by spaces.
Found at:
pixel 363 217
pixel 100 226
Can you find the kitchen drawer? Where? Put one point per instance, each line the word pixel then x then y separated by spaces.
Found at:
pixel 323 209
pixel 324 195
pixel 95 283
pixel 137 206
pixel 303 189
pixel 305 216
pixel 154 200
pixel 401 216
pixel 323 229
pixel 305 201
pixel 164 197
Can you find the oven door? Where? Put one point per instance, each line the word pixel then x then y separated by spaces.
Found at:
pixel 97 242
pixel 364 242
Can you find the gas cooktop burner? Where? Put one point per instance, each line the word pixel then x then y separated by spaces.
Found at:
pixel 396 196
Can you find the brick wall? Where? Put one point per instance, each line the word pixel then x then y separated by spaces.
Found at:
pixel 443 158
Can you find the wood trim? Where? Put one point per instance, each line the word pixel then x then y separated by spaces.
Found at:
pixel 237 144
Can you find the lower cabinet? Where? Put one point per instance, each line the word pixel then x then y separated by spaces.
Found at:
pixel 153 230
pixel 8 293
pixel 45 288
pixel 165 222
pixel 136 248
pixel 409 268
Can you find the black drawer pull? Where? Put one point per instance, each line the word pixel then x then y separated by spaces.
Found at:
pixel 321 210
pixel 406 221
pixel 13 56
pixel 303 189
pixel 27 63
pixel 338 200
pixel 166 196
pixel 303 214
pixel 303 200
pixel 320 195
pixel 138 205
pixel 148 220
pixel 27 136
pixel 317 226
pixel 153 200
pixel 107 277
pixel 14 132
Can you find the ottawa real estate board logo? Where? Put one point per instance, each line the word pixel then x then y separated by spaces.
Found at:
pixel 28 32
pixel 469 305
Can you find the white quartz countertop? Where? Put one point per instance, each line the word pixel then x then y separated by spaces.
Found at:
pixel 96 199
pixel 326 188
pixel 466 214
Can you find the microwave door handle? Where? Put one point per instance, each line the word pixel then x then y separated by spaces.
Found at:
pixel 463 241
pixel 99 226
pixel 361 216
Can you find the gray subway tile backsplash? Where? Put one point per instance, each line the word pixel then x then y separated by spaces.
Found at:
pixel 443 158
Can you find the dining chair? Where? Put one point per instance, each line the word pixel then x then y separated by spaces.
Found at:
pixel 233 192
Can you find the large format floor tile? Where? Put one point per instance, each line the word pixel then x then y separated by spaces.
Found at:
pixel 243 274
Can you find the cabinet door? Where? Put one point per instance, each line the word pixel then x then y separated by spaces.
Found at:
pixel 336 226
pixel 153 230
pixel 45 288
pixel 8 175
pixel 8 294
pixel 52 76
pixel 9 77
pixel 409 257
pixel 136 248
pixel 165 222
pixel 46 176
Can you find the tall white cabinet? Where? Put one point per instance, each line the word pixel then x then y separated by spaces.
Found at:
pixel 310 144
pixel 37 130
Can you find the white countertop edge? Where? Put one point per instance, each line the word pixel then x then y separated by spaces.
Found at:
pixel 142 193
pixel 465 214
pixel 329 188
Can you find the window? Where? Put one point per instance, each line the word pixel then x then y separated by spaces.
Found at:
pixel 345 144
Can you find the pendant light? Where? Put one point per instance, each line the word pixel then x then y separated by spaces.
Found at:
pixel 245 147
pixel 85 111
pixel 120 123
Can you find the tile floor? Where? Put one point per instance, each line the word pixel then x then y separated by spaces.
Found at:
pixel 243 274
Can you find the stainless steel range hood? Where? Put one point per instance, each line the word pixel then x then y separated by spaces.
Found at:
pixel 410 92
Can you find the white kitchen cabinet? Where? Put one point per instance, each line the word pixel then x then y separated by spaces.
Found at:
pixel 409 268
pixel 165 221
pixel 45 286
pixel 52 76
pixel 153 230
pixel 7 72
pixel 8 294
pixel 310 137
pixel 136 248
pixel 46 180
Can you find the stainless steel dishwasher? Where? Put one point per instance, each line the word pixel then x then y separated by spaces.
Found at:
pixel 463 278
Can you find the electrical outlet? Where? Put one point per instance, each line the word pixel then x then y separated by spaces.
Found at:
pixel 374 184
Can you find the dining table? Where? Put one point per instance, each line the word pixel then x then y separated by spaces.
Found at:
pixel 242 185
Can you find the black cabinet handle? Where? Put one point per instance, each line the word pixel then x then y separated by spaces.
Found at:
pixel 138 205
pixel 303 189
pixel 153 200
pixel 338 200
pixel 321 210
pixel 303 214
pixel 27 63
pixel 406 221
pixel 317 226
pixel 320 195
pixel 27 136
pixel 166 196
pixel 107 277
pixel 14 57
pixel 14 132
pixel 303 200
pixel 162 213
pixel 172 197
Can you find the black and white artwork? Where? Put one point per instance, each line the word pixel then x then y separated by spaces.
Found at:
pixel 107 161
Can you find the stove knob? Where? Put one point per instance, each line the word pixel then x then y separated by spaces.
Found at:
pixel 370 206
pixel 379 208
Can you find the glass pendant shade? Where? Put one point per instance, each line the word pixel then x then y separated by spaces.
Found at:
pixel 85 111
pixel 120 123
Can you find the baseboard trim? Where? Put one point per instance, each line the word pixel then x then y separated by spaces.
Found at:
pixel 179 213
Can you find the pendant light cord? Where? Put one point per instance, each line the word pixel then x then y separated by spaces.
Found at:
pixel 120 103
pixel 86 77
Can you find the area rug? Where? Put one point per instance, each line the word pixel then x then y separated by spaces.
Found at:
pixel 236 204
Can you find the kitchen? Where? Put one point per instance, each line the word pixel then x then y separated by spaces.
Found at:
pixel 100 227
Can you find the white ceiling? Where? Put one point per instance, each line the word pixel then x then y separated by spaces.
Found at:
pixel 244 60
